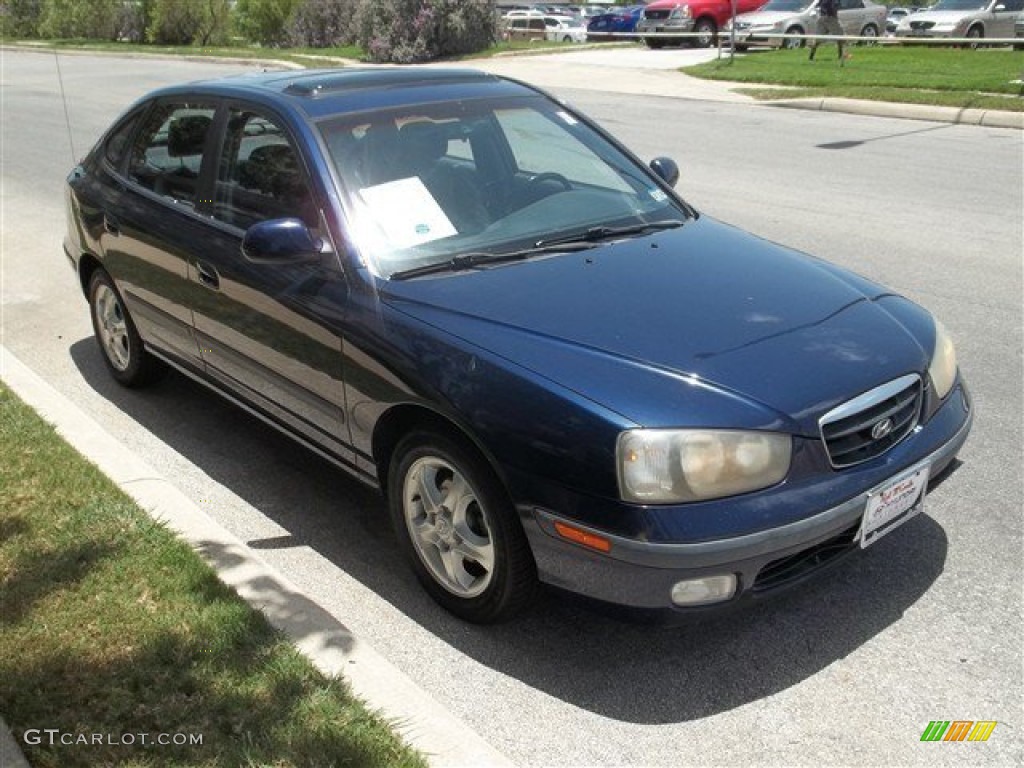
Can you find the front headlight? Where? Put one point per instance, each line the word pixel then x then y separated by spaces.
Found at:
pixel 683 12
pixel 665 466
pixel 942 369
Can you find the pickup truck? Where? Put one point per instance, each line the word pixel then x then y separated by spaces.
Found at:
pixel 703 17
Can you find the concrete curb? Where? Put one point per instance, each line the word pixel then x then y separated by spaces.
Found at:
pixel 991 118
pixel 414 713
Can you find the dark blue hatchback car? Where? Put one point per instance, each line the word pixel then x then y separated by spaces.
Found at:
pixel 467 294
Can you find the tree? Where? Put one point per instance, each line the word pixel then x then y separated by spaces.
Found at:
pixel 405 31
pixel 322 23
pixel 264 21
pixel 92 19
pixel 20 18
pixel 181 22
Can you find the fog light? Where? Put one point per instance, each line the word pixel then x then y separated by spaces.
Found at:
pixel 710 589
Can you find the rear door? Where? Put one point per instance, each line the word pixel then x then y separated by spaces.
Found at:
pixel 270 331
pixel 153 222
pixel 853 16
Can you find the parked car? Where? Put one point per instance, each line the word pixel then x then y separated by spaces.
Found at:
pixel 973 19
pixel 525 25
pixel 702 17
pixel 799 17
pixel 600 27
pixel 565 29
pixel 893 18
pixel 464 293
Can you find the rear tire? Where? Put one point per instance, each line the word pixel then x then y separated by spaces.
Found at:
pixel 870 34
pixel 123 352
pixel 459 530
pixel 975 33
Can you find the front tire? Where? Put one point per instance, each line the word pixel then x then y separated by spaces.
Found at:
pixel 126 358
pixel 792 43
pixel 460 532
pixel 975 33
pixel 705 30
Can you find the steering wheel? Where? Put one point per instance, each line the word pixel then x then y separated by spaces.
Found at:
pixel 540 178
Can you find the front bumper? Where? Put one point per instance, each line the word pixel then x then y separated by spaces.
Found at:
pixel 926 34
pixel 664 25
pixel 641 573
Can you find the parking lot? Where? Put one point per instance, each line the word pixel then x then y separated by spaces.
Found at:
pixel 925 625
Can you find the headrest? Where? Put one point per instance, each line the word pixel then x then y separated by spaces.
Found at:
pixel 271 169
pixel 423 142
pixel 187 134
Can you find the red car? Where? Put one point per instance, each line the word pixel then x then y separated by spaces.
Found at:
pixel 703 17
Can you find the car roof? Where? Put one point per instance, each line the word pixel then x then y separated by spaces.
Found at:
pixel 324 92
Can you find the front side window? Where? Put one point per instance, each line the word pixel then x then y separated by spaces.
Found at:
pixel 259 175
pixel 167 154
pixel 426 184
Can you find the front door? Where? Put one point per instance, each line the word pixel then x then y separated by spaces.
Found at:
pixel 270 331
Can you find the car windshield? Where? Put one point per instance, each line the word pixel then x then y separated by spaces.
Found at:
pixel 428 184
pixel 960 5
pixel 790 6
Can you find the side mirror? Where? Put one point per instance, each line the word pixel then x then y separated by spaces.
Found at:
pixel 280 241
pixel 666 169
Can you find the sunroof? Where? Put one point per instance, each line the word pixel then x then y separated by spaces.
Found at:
pixel 327 83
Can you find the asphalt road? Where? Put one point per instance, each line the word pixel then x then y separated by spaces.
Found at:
pixel 926 625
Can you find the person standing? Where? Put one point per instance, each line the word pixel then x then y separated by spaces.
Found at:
pixel 828 24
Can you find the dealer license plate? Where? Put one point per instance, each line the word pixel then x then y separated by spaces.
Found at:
pixel 892 504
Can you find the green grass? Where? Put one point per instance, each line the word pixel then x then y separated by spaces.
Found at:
pixel 944 76
pixel 113 626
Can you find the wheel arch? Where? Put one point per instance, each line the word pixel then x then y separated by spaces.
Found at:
pixel 400 420
pixel 87 266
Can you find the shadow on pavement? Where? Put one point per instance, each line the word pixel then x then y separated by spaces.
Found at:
pixel 631 672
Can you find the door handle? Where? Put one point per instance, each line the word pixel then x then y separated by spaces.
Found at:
pixel 207 275
pixel 111 225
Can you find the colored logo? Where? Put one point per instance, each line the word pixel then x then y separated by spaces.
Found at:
pixel 958 730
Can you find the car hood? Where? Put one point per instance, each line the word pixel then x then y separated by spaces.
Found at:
pixel 942 16
pixel 766 17
pixel 779 337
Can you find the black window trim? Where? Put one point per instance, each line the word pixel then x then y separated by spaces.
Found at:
pixel 138 115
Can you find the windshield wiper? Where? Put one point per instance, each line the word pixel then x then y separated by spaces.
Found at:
pixel 595 234
pixel 478 258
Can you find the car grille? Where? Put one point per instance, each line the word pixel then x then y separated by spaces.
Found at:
pixel 788 569
pixel 871 424
pixel 922 24
pixel 656 15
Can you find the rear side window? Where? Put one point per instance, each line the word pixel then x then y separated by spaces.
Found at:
pixel 117 143
pixel 167 154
